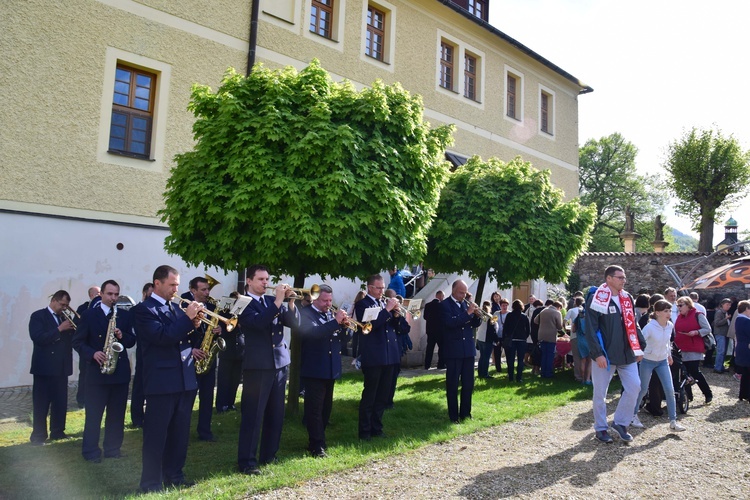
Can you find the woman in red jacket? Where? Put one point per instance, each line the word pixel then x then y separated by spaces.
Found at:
pixel 690 328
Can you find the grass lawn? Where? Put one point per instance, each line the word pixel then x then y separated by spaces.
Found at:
pixel 419 418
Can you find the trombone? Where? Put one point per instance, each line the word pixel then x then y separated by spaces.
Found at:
pixel 365 327
pixel 72 316
pixel 230 323
pixel 484 314
pixel 314 291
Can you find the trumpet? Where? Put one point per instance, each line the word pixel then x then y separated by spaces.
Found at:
pixel 72 316
pixel 230 323
pixel 314 291
pixel 365 327
pixel 484 314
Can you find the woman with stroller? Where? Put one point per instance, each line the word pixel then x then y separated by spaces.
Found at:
pixel 657 357
pixel 690 328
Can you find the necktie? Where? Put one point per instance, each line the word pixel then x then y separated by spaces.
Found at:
pixel 463 306
pixel 262 302
pixel 59 318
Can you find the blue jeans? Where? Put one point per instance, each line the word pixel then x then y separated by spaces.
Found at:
pixel 721 352
pixel 665 376
pixel 485 350
pixel 548 358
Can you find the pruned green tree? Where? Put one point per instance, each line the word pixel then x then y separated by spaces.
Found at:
pixel 609 179
pixel 305 176
pixel 508 221
pixel 707 172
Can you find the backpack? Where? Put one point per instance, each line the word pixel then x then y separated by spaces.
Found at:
pixel 580 321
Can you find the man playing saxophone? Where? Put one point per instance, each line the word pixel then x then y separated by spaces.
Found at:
pixel 104 390
pixel 199 292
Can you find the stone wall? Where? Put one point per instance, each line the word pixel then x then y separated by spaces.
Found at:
pixel 646 273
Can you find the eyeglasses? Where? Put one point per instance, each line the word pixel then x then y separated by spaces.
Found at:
pixel 623 278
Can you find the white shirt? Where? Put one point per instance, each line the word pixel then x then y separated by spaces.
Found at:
pixel 658 345
pixel 699 307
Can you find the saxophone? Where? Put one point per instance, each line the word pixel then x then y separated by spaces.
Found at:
pixel 112 348
pixel 210 347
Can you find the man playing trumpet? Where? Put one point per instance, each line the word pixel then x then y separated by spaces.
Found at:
pixel 265 369
pixel 322 333
pixel 51 365
pixel 108 391
pixel 199 292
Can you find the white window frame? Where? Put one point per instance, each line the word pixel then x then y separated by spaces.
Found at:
pixel 273 12
pixel 389 50
pixel 552 112
pixel 337 29
pixel 163 71
pixel 520 99
pixel 461 48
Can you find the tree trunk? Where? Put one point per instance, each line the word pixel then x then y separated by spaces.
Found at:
pixel 480 288
pixel 292 404
pixel 705 243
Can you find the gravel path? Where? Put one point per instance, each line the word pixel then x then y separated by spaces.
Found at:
pixel 555 455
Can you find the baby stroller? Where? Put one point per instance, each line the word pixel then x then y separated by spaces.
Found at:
pixel 680 380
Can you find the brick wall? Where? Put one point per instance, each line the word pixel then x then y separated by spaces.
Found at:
pixel 646 273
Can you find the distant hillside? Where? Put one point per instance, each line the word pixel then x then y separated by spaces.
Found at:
pixel 683 242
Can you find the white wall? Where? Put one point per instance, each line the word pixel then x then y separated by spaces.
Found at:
pixel 40 255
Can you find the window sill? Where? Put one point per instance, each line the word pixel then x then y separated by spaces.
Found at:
pixel 324 37
pixel 129 155
pixel 473 100
pixel 377 60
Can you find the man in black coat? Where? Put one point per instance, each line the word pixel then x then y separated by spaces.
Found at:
pixel 459 349
pixel 169 382
pixel 379 353
pixel 322 334
pixel 265 370
pixel 51 365
pixel 199 292
pixel 108 391
pixel 434 330
pixel 230 369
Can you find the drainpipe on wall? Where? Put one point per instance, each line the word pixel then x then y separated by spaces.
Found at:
pixel 253 36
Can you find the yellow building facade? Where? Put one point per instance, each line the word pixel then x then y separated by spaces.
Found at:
pixel 94 109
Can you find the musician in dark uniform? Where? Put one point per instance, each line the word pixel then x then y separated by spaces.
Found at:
pixel 321 333
pixel 51 365
pixel 379 352
pixel 459 322
pixel 230 368
pixel 94 299
pixel 265 370
pixel 102 390
pixel 433 316
pixel 136 397
pixel 199 292
pixel 169 383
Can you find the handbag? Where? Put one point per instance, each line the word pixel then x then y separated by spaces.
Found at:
pixel 709 341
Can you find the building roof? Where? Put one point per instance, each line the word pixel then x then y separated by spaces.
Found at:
pixel 583 88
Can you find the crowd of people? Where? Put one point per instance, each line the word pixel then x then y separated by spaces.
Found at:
pixel 605 329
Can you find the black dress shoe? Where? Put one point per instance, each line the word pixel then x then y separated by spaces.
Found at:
pixel 251 471
pixel 179 484
pixel 94 460
pixel 380 434
pixel 319 453
pixel 364 437
pixel 210 439
pixel 57 437
pixel 37 443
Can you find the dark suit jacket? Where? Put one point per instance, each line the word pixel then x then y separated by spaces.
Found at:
pixel 379 347
pixel 433 316
pixel 90 338
pixel 321 345
pixel 263 330
pixel 458 331
pixel 53 352
pixel 168 365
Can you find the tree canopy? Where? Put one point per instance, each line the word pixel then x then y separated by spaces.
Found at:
pixel 508 221
pixel 305 175
pixel 608 178
pixel 708 172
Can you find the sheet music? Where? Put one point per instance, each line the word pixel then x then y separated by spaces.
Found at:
pixel 240 304
pixel 412 305
pixel 225 303
pixel 371 314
